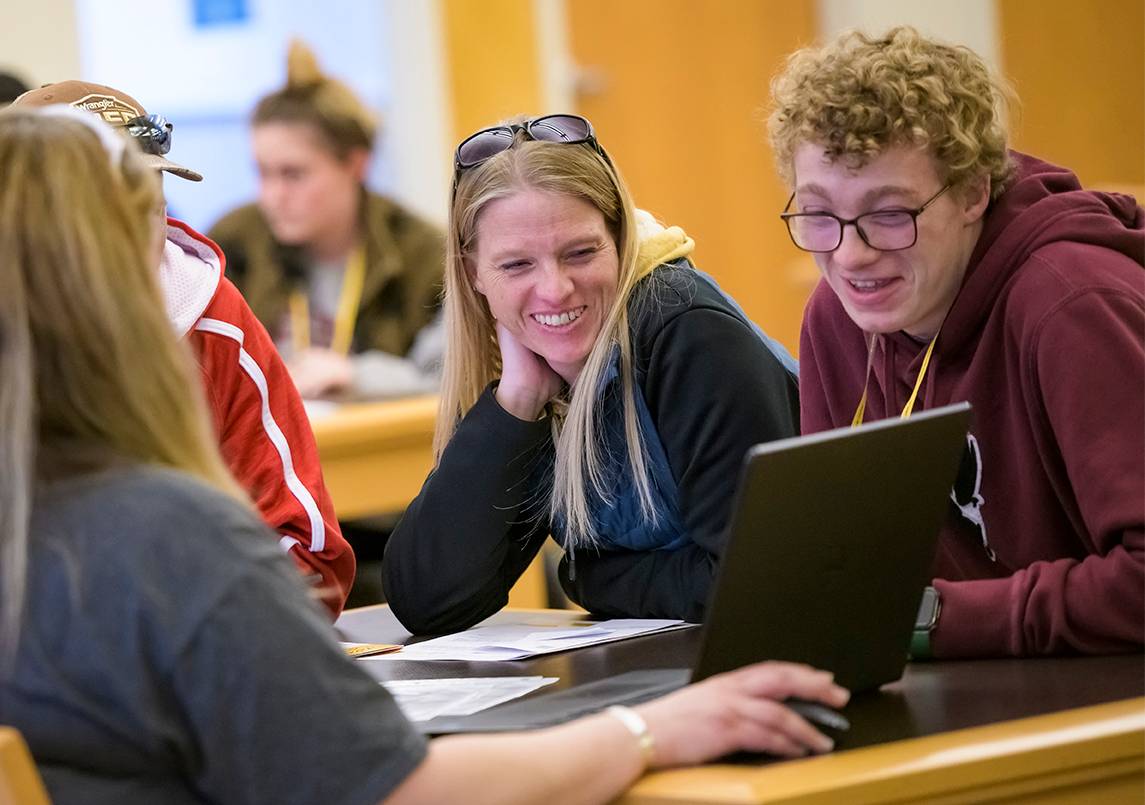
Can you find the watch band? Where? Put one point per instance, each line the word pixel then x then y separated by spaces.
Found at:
pixel 924 625
pixel 920 644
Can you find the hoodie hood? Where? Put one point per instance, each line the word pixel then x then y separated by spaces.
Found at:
pixel 190 272
pixel 659 244
pixel 1045 204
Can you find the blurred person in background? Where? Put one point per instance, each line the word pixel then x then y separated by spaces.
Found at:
pixel 343 278
pixel 261 426
pixel 347 281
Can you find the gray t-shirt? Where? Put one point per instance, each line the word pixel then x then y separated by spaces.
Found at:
pixel 170 654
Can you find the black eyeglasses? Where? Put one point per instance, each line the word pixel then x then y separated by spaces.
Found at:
pixel 885 230
pixel 152 132
pixel 488 143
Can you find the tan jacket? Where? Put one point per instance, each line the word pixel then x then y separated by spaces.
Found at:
pixel 405 259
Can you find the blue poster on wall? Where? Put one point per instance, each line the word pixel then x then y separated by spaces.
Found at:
pixel 211 13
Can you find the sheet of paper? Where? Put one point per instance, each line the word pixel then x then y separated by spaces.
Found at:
pixel 520 641
pixel 423 699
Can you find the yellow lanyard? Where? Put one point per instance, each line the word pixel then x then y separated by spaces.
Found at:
pixel 857 419
pixel 347 315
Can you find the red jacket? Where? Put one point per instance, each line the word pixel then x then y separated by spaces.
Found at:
pixel 1045 340
pixel 264 434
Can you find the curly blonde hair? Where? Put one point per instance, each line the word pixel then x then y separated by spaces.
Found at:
pixel 858 95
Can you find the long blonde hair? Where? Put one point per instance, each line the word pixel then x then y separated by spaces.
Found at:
pixel 472 355
pixel 91 372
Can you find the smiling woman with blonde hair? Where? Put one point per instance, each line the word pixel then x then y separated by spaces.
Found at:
pixel 596 387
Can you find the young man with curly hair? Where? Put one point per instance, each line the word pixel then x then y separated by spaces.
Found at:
pixel 956 269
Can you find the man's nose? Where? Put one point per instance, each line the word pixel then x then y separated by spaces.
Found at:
pixel 853 251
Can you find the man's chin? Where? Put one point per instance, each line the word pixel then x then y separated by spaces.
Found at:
pixel 876 325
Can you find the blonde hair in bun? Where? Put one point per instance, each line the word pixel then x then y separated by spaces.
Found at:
pixel 302 68
pixel 310 97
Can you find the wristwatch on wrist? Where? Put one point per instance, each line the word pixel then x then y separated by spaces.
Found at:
pixel 924 623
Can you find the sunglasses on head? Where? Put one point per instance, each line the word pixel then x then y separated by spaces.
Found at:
pixel 152 132
pixel 488 143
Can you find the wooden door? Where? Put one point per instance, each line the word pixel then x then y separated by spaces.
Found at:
pixel 1079 71
pixel 677 91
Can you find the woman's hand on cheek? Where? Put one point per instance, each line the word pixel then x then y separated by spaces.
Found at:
pixel 527 381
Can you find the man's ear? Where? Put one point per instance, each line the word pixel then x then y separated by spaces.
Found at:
pixel 976 198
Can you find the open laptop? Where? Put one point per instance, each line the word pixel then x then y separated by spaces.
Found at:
pixel 831 543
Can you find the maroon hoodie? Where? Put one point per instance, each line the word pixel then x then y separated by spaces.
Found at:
pixel 1047 341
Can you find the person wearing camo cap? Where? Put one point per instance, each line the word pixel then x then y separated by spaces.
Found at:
pixel 264 435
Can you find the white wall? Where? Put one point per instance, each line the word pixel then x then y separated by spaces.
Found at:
pixel 559 74
pixel 206 80
pixel 419 124
pixel 38 41
pixel 966 22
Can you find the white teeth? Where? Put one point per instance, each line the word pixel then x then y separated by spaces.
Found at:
pixel 559 319
pixel 868 285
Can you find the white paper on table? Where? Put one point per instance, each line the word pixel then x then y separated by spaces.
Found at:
pixel 523 640
pixel 423 699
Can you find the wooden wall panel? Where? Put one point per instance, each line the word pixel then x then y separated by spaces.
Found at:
pixel 676 90
pixel 491 50
pixel 493 71
pixel 1079 70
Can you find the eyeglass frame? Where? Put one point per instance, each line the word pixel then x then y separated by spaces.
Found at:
pixel 152 132
pixel 786 217
pixel 511 129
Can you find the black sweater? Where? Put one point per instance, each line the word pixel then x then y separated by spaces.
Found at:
pixel 713 389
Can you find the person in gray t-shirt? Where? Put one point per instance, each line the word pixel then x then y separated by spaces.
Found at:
pixel 168 655
pixel 155 645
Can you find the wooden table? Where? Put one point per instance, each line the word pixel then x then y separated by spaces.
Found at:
pixel 1039 730
pixel 375 456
